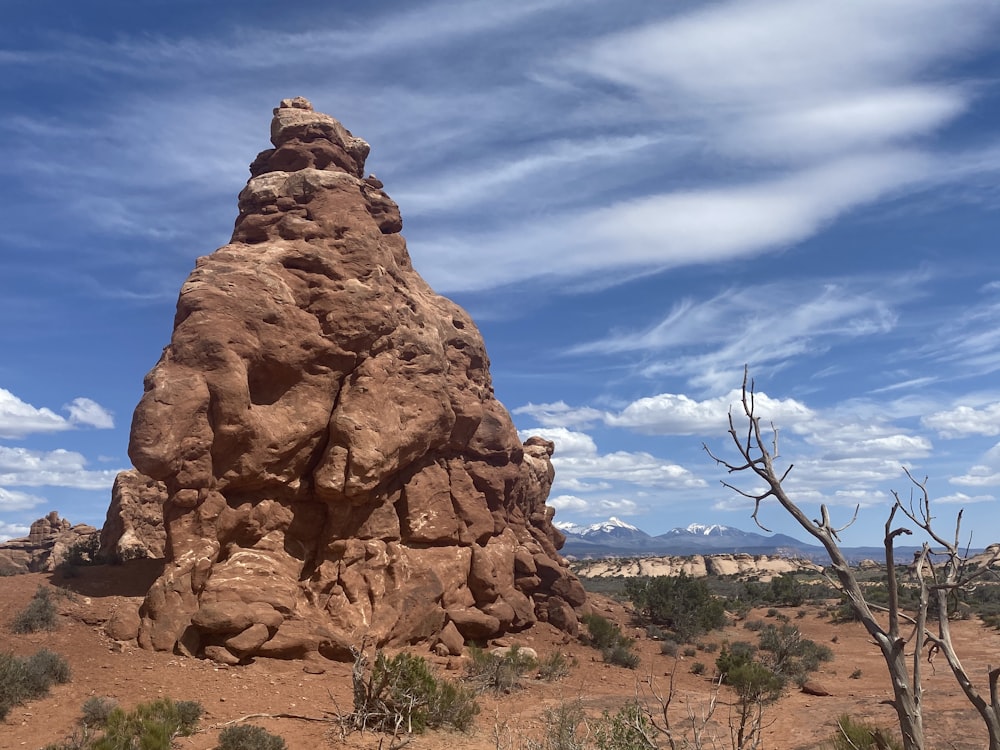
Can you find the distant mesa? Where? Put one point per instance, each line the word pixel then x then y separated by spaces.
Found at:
pixel 322 435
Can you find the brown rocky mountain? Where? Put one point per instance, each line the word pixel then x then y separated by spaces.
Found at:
pixel 335 464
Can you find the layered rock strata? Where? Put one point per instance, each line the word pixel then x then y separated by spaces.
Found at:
pixel 336 466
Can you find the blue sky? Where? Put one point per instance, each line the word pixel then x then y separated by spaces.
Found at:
pixel 632 199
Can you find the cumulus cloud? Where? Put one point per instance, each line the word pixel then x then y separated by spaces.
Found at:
pixel 13 500
pixel 84 411
pixel 965 420
pixel 560 414
pixel 678 414
pixel 18 418
pixel 21 467
pixel 569 443
pixel 11 530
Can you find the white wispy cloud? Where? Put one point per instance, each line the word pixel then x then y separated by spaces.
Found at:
pixel 960 498
pixel 560 414
pixel 766 325
pixel 85 411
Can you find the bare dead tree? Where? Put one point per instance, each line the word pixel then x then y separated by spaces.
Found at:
pixel 941 573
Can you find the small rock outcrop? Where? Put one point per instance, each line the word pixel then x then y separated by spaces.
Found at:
pixel 133 528
pixel 335 464
pixel 49 541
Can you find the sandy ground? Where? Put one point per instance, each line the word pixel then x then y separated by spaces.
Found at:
pixel 102 667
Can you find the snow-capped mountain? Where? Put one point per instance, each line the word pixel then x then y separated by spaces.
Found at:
pixel 616 537
pixel 614 530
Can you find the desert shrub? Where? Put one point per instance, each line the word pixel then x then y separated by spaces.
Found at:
pixel 498 673
pixel 40 614
pixel 83 551
pixel 860 735
pixel 690 651
pixel 788 653
pixel 607 637
pixel 683 604
pixel 772 612
pixel 855 675
pixel 562 725
pixel 553 667
pixel 753 625
pixel 698 668
pixel 96 710
pixel 669 648
pixel 401 694
pixel 249 737
pixel 711 647
pixel 24 679
pixel 149 726
pixel 628 729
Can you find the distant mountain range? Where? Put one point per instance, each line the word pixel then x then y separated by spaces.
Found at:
pixel 616 538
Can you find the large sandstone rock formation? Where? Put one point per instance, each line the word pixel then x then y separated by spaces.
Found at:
pixel 336 465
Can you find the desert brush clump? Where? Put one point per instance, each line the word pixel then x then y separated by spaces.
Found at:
pixel 148 726
pixel 40 614
pixel 24 679
pixel 852 734
pixel 499 672
pixel 607 637
pixel 401 695
pixel 683 604
pixel 249 737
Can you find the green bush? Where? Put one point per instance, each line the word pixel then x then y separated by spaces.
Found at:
pixel 249 737
pixel 698 668
pixel 860 735
pixel 683 604
pixel 149 726
pixel 498 673
pixel 26 679
pixel 607 637
pixel 40 614
pixel 402 695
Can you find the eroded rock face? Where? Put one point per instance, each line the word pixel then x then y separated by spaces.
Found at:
pixel 49 541
pixel 335 463
pixel 133 527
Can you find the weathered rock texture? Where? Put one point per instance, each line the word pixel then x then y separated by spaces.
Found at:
pixel 336 465
pixel 46 546
pixel 133 527
pixel 695 566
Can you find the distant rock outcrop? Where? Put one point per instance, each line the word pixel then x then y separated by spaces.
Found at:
pixel 46 546
pixel 695 566
pixel 335 464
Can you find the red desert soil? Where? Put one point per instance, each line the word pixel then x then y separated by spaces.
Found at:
pixel 102 667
